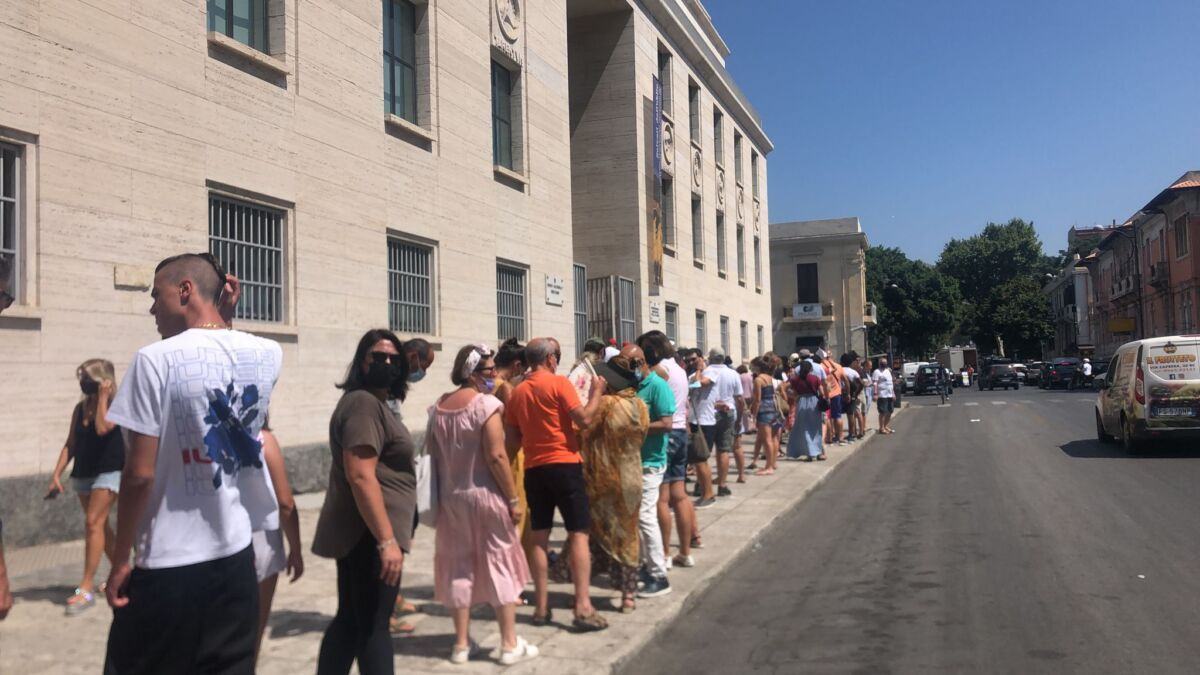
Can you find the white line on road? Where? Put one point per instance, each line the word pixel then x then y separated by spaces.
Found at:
pixel 971 403
pixel 1026 400
pixel 943 405
pixel 999 402
pixel 1056 400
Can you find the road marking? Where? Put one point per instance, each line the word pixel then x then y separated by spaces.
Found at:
pixel 1026 400
pixel 1056 400
pixel 975 420
pixel 999 402
pixel 970 403
pixel 943 405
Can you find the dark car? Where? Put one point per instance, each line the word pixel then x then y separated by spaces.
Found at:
pixel 927 379
pixel 1034 374
pixel 1001 375
pixel 1060 372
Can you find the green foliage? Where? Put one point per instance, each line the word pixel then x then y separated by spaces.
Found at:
pixel 1000 273
pixel 919 311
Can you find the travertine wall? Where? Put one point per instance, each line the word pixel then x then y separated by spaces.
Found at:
pixel 127 113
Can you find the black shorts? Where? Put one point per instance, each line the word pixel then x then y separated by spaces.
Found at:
pixel 558 486
pixel 885 405
pixel 189 619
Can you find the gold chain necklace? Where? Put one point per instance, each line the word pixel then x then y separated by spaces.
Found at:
pixel 211 324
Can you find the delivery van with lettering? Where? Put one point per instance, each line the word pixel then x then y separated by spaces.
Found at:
pixel 1151 393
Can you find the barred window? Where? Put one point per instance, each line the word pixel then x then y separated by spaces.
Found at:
pixel 672 320
pixel 511 294
pixel 744 334
pixel 248 241
pixel 701 331
pixel 581 306
pixel 410 286
pixel 400 59
pixel 242 20
pixel 10 166
pixel 725 335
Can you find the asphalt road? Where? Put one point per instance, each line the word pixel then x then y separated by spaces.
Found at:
pixel 994 534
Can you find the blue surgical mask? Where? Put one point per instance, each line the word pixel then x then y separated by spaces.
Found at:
pixel 638 376
pixel 489 386
pixel 416 376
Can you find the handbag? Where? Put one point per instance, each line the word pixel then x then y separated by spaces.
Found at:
pixel 427 479
pixel 822 403
pixel 698 450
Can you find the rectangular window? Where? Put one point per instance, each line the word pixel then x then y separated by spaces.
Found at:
pixel 242 20
pixel 1181 237
pixel 1186 320
pixel 400 59
pixel 740 242
pixel 744 336
pixel 511 296
pixel 672 321
pixel 701 332
pixel 579 272
pixel 724 323
pixel 697 231
pixel 807 291
pixel 247 239
pixel 410 286
pixel 721 255
pixel 502 141
pixel 737 157
pixel 664 76
pixel 718 136
pixel 668 214
pixel 762 345
pixel 754 173
pixel 757 264
pixel 694 111
pixel 10 202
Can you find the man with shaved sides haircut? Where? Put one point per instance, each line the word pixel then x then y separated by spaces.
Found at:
pixel 192 406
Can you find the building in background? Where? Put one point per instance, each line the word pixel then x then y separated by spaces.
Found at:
pixel 818 286
pixel 415 165
pixel 1070 298
pixel 669 201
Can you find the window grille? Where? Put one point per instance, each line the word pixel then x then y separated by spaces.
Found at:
pixel 248 241
pixel 410 286
pixel 511 296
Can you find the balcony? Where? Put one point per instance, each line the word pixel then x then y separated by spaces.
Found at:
pixel 807 313
pixel 869 316
pixel 1160 275
pixel 1121 287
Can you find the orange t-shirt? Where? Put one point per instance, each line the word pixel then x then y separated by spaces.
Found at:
pixel 833 377
pixel 540 407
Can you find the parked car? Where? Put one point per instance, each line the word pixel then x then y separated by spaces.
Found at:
pixel 926 379
pixel 1099 380
pixel 1022 372
pixel 909 372
pixel 1002 375
pixel 1150 392
pixel 1033 374
pixel 1061 373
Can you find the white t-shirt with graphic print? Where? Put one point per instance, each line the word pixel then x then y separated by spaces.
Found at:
pixel 204 394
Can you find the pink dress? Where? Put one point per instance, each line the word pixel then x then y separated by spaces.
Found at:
pixel 478 556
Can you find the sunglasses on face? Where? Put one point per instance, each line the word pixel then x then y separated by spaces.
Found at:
pixel 558 355
pixel 488 369
pixel 385 357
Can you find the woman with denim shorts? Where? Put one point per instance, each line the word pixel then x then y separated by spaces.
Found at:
pixel 96 447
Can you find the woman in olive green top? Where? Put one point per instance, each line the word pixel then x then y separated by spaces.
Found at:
pixel 367 519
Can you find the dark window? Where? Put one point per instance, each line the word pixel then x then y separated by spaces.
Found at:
pixel 10 202
pixel 806 284
pixel 502 149
pixel 248 240
pixel 581 306
pixel 721 255
pixel 737 157
pixel 718 137
pixel 672 320
pixel 664 76
pixel 242 20
pixel 668 212
pixel 1181 237
pixel 740 242
pixel 400 59
pixel 754 173
pixel 697 231
pixel 694 112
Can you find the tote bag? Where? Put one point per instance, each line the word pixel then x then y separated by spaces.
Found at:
pixel 427 479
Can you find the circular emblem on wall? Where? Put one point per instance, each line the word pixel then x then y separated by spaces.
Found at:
pixel 508 16
pixel 720 187
pixel 697 169
pixel 668 144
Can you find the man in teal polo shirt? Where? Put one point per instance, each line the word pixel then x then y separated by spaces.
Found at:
pixel 656 394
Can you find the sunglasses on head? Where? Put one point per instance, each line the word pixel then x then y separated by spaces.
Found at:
pixel 385 357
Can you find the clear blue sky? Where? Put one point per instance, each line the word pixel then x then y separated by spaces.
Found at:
pixel 929 118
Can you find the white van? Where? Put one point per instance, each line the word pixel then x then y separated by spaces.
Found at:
pixel 909 372
pixel 1151 392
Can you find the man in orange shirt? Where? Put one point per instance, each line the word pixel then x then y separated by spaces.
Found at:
pixel 835 378
pixel 542 415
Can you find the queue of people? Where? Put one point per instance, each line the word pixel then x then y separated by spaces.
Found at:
pixel 183 449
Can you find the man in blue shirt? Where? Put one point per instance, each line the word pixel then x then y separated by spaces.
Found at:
pixel 656 394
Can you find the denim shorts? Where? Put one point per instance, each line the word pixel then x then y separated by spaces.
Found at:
pixel 885 405
pixel 677 456
pixel 109 480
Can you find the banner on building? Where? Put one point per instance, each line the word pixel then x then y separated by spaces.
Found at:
pixel 654 202
pixel 1121 325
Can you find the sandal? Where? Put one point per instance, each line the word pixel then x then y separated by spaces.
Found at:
pixel 696 543
pixel 628 605
pixel 752 466
pixel 543 620
pixel 765 472
pixel 80 602
pixel 821 457
pixel 404 607
pixel 398 626
pixel 590 623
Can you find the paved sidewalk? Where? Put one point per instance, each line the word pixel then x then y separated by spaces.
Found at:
pixel 38 638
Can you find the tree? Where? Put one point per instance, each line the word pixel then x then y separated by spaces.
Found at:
pixel 1000 272
pixel 917 305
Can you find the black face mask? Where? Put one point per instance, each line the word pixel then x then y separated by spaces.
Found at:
pixel 379 376
pixel 89 387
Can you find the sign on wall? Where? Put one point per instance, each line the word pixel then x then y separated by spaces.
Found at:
pixel 810 310
pixel 554 290
pixel 655 311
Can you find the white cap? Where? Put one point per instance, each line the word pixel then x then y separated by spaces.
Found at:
pixel 609 352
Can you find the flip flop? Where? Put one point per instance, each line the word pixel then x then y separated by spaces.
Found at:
pixel 399 627
pixel 765 472
pixel 590 623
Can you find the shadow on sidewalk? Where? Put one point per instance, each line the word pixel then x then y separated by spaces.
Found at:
pixel 288 623
pixel 56 594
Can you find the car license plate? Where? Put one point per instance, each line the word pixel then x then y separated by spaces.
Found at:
pixel 1174 412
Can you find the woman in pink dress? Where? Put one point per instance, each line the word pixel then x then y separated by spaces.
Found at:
pixel 478 557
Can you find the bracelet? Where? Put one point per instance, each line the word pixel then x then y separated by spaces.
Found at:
pixel 515 501
pixel 386 543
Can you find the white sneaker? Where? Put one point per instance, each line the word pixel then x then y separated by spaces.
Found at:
pixel 685 560
pixel 668 565
pixel 461 655
pixel 521 652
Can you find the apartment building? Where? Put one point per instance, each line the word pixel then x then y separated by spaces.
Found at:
pixel 695 165
pixel 818 282
pixel 402 163
pixel 1071 310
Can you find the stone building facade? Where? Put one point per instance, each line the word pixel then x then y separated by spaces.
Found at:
pixel 358 164
pixel 818 286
